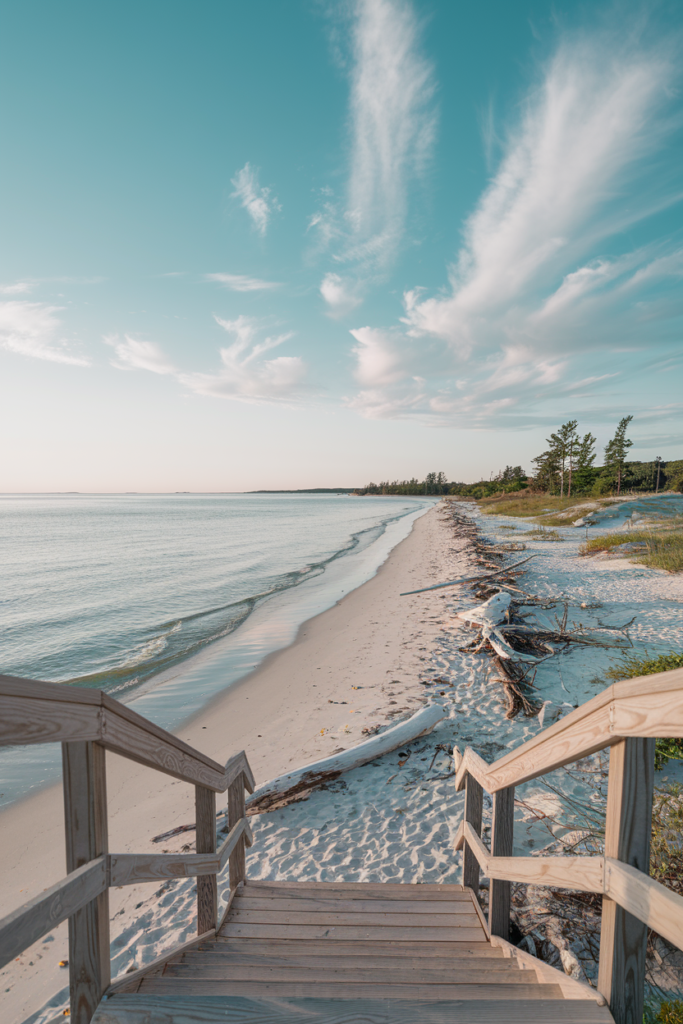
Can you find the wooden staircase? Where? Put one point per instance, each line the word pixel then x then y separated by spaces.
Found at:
pixel 344 953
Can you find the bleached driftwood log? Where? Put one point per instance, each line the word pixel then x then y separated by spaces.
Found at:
pixel 329 768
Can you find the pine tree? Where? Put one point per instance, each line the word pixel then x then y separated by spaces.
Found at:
pixel 617 449
pixel 563 444
pixel 585 457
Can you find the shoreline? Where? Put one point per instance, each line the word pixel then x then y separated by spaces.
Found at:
pixel 300 704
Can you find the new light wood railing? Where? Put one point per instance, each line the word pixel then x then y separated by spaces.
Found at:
pixel 86 723
pixel 626 717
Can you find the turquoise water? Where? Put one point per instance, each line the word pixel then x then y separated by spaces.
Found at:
pixel 164 600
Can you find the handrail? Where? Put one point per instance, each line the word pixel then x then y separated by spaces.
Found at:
pixel 32 711
pixel 626 717
pixel 88 722
pixel 648 706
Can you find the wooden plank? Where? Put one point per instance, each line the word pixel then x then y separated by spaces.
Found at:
pixel 139 1009
pixel 623 938
pixel 130 982
pixel 586 874
pixel 165 753
pixel 32 920
pixel 375 892
pixel 85 827
pixel 474 802
pixel 502 827
pixel 357 947
pixel 571 988
pixel 14 686
pixel 25 720
pixel 237 869
pixel 362 920
pixel 207 889
pixel 452 975
pixel 647 706
pixel 236 766
pixel 281 904
pixel 444 964
pixel 351 932
pixel 360 890
pixel 344 990
pixel 653 904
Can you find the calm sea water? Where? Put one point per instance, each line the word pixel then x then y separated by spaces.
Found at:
pixel 163 600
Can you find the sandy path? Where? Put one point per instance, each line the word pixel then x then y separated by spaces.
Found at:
pixel 357 664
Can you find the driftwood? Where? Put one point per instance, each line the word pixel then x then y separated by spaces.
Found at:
pixel 468 579
pixel 302 780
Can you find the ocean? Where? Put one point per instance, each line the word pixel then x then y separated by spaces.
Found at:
pixel 164 600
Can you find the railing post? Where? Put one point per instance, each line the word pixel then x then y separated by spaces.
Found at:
pixel 237 864
pixel 85 821
pixel 628 825
pixel 502 828
pixel 207 889
pixel 474 800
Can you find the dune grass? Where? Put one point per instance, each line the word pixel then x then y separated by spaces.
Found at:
pixel 543 533
pixel 662 549
pixel 526 503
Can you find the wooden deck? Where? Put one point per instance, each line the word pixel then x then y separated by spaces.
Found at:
pixel 342 953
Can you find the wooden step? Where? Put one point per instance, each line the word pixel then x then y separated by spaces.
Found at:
pixel 302 904
pixel 329 891
pixel 360 947
pixel 216 971
pixel 360 887
pixel 326 931
pixel 362 918
pixel 344 990
pixel 159 1009
pixel 349 962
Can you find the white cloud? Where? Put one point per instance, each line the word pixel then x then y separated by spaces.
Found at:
pixel 257 201
pixel 245 373
pixel 566 182
pixel 241 283
pixel 340 294
pixel 533 300
pixel 132 354
pixel 392 133
pixel 18 288
pixel 31 329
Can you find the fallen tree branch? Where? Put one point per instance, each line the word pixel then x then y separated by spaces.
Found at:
pixel 469 579
pixel 329 768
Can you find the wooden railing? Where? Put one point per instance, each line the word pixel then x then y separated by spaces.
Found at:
pixel 88 722
pixel 626 717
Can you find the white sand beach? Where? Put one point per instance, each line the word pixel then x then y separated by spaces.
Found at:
pixel 355 665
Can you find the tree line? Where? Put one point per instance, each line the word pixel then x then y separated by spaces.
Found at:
pixel 567 467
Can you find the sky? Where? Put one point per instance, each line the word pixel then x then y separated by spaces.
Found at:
pixel 298 243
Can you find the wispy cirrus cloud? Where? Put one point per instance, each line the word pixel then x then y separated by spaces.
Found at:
pixel 242 283
pixel 258 201
pixel 135 354
pixel 32 329
pixel 17 288
pixel 532 292
pixel 246 372
pixel 393 121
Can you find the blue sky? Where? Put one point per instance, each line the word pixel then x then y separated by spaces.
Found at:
pixel 300 243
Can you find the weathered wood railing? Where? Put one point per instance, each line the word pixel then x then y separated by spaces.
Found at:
pixel 88 722
pixel 626 717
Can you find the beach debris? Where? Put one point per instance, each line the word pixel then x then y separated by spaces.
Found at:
pixel 173 832
pixel 329 768
pixel 468 579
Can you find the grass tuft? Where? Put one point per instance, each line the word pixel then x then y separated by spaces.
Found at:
pixel 542 533
pixel 662 549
